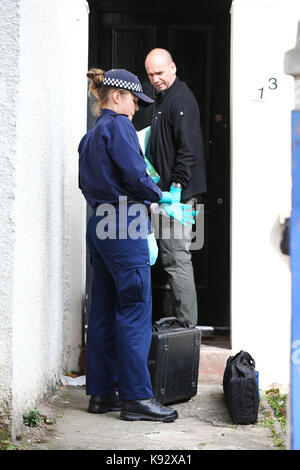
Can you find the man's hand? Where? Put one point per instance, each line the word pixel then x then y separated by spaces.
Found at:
pixel 181 212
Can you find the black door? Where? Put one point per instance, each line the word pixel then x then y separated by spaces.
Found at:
pixel 197 33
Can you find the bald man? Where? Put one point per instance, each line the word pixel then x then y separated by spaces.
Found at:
pixel 176 150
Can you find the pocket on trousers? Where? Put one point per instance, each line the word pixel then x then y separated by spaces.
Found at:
pixel 134 283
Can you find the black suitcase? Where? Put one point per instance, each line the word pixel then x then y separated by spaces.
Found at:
pixel 174 360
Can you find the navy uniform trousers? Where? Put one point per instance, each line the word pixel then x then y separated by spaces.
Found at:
pixel 120 322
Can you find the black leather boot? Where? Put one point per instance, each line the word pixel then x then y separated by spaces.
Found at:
pixel 149 410
pixel 104 403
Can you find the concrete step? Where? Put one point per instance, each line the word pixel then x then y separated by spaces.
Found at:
pixel 214 353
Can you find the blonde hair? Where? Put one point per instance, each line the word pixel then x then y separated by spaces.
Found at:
pixel 100 92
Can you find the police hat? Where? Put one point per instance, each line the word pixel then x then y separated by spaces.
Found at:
pixel 121 78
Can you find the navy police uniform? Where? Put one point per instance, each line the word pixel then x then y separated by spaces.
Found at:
pixel 119 330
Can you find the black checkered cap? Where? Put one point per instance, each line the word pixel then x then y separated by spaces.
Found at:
pixel 121 78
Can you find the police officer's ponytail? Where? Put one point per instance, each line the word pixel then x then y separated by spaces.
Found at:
pixel 96 77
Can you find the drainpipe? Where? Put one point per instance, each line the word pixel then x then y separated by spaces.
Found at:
pixel 292 67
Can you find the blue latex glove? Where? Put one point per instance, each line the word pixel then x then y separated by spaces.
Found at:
pixel 167 197
pixel 153 248
pixel 181 212
pixel 176 193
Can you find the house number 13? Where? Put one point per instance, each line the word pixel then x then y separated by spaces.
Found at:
pixel 272 86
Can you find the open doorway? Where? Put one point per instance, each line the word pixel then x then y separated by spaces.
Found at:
pixel 198 36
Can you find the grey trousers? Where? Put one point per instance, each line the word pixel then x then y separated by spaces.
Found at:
pixel 174 250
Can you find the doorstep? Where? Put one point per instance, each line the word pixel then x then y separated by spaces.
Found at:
pixel 214 353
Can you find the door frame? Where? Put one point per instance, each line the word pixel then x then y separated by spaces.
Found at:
pixel 101 6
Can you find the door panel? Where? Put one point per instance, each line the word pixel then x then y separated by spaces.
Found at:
pixel 121 34
pixel 137 40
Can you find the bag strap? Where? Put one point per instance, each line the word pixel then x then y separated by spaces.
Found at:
pixel 245 363
pixel 248 357
pixel 232 359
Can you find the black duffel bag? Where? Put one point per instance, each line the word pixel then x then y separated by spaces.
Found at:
pixel 241 388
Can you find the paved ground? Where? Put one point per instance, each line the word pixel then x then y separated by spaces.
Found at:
pixel 203 424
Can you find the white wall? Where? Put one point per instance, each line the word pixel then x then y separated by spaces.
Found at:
pixel 9 56
pixel 43 239
pixel 262 31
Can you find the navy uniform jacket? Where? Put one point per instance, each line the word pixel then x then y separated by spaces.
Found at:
pixel 177 148
pixel 111 163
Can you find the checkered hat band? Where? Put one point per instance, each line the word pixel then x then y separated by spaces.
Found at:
pixel 122 84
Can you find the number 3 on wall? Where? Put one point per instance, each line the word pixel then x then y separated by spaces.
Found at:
pixel 272 86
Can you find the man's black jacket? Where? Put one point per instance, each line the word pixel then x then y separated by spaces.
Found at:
pixel 177 149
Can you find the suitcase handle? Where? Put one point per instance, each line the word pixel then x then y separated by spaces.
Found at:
pixel 168 322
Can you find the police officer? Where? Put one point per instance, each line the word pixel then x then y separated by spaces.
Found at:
pixel 111 168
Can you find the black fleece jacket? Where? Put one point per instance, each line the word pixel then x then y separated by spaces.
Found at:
pixel 177 150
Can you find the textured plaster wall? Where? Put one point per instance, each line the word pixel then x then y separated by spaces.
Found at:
pixel 9 77
pixel 42 211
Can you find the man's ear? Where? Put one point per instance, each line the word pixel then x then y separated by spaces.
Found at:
pixel 174 68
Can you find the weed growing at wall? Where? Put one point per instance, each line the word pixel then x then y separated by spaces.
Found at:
pixel 275 416
pixel 5 443
pixel 32 419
